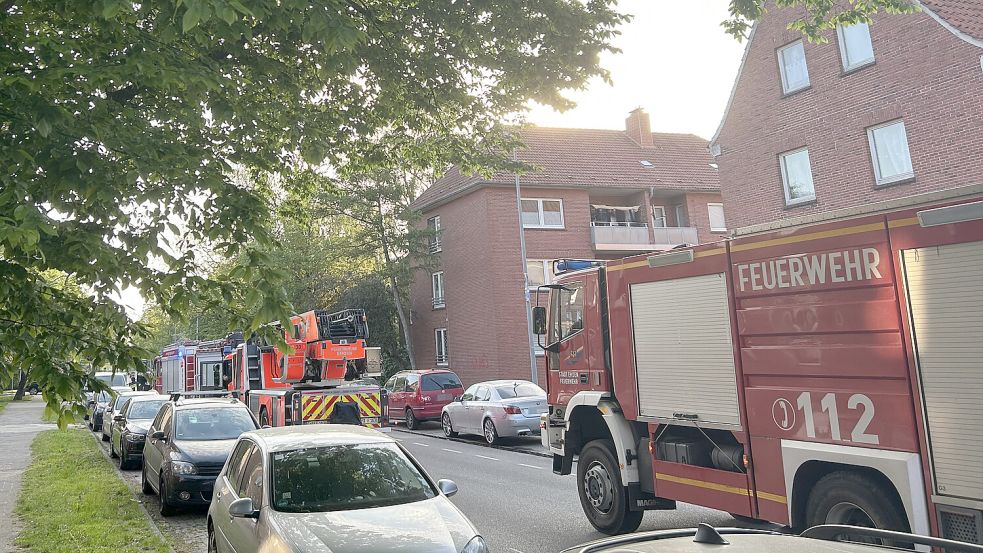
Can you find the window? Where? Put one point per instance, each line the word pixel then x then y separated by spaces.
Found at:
pixel 390 384
pixel 441 381
pixel 792 66
pixel 433 225
pixel 889 152
pixel 217 423
pixel 412 382
pixel 542 213
pixel 251 485
pixel 682 217
pixel 797 177
pixel 483 394
pixel 440 338
pixel 401 383
pixel 165 422
pixel 855 47
pixel 540 272
pixel 235 463
pixel 469 393
pixel 658 216
pixel 519 389
pixel 717 222
pixel 568 312
pixel 438 289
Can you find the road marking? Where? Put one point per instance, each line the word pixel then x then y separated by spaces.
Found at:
pixel 451 450
pixel 530 466
pixel 419 444
pixel 516 550
pixel 487 457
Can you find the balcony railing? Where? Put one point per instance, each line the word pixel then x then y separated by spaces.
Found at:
pixel 438 302
pixel 635 236
pixel 674 236
pixel 441 360
pixel 435 244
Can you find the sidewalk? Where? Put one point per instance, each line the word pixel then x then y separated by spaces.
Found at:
pixel 19 423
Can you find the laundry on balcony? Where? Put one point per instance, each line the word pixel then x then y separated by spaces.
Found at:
pixel 615 216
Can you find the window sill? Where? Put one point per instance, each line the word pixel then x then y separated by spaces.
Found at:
pixel 540 227
pixel 438 307
pixel 802 203
pixel 718 231
pixel 857 67
pixel 796 91
pixel 895 182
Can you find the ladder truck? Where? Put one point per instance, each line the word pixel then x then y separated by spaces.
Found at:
pixel 319 380
pixel 821 370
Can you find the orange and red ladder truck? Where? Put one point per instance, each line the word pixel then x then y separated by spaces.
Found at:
pixel 317 382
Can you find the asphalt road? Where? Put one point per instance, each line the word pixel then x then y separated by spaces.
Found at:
pixel 518 504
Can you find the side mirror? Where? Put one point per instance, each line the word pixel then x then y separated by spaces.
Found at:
pixel 243 508
pixel 158 435
pixel 539 320
pixel 458 398
pixel 447 487
pixel 119 418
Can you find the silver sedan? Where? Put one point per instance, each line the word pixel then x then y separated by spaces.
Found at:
pixel 496 409
pixel 332 489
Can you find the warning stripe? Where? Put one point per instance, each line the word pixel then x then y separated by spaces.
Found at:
pixel 311 403
pixel 319 407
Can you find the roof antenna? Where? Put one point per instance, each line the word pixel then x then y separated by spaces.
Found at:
pixel 707 534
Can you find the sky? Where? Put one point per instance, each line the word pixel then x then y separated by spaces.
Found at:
pixel 676 63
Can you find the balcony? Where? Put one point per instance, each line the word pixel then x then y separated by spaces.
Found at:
pixel 438 302
pixel 634 237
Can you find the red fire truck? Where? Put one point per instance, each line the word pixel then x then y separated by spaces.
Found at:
pixel 316 383
pixel 828 370
pixel 190 365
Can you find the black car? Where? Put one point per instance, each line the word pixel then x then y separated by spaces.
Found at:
pixel 187 444
pixel 128 429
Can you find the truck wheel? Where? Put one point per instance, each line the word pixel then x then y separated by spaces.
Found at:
pixel 602 495
pixel 845 497
pixel 411 422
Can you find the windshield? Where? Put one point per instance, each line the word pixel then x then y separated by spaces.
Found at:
pixel 522 389
pixel 113 379
pixel 212 424
pixel 441 381
pixel 103 397
pixel 144 409
pixel 346 477
pixel 567 312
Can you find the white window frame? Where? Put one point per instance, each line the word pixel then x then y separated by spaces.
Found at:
pixel 781 67
pixel 435 239
pixel 788 198
pixel 662 210
pixel 437 282
pixel 845 55
pixel 542 224
pixel 710 217
pixel 682 222
pixel 879 179
pixel 547 274
pixel 440 344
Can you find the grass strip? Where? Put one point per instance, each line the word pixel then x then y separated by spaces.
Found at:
pixel 72 500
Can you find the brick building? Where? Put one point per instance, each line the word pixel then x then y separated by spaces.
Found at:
pixel 595 194
pixel 877 113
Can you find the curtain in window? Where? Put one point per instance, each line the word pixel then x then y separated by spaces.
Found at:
pixel 891 145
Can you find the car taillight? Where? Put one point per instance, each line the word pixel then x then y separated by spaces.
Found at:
pixel 512 410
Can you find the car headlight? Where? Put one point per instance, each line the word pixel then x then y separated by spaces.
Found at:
pixel 182 467
pixel 476 545
pixel 130 437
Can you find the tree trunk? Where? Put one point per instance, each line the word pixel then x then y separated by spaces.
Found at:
pixel 404 323
pixel 19 395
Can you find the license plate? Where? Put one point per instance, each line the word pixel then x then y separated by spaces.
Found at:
pixel 443 397
pixel 371 420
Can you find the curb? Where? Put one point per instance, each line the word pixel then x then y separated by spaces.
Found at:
pixel 405 430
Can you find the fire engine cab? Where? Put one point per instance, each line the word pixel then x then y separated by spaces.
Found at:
pixel 316 382
pixel 824 370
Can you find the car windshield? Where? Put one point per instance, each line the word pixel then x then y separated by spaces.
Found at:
pixel 440 381
pixel 113 379
pixel 522 389
pixel 346 477
pixel 212 424
pixel 103 397
pixel 144 409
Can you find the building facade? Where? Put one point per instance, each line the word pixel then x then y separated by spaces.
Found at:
pixel 878 112
pixel 594 194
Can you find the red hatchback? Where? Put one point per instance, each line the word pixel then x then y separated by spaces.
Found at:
pixel 416 396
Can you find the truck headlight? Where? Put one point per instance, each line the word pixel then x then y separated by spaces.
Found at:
pixel 476 545
pixel 183 467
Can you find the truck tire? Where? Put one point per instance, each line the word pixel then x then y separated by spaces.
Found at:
pixel 603 497
pixel 845 497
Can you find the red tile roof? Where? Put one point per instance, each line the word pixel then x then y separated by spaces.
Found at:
pixel 580 158
pixel 965 15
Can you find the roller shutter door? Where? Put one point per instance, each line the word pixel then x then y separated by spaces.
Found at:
pixel 945 296
pixel 683 350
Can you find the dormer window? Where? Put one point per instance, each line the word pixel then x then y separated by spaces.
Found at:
pixel 792 66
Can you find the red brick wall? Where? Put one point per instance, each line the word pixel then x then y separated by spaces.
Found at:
pixel 699 216
pixel 923 74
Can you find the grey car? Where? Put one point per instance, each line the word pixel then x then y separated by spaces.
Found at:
pixel 332 489
pixel 113 408
pixel 98 403
pixel 496 409
pixel 128 428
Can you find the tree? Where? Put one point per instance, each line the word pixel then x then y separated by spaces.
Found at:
pixel 818 15
pixel 123 123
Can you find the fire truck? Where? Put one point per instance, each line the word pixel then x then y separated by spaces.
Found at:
pixel 823 370
pixel 190 365
pixel 316 380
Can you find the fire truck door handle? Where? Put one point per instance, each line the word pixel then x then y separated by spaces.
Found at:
pixel 629 457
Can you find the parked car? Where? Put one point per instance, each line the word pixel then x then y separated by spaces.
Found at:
pixel 98 403
pixel 332 488
pixel 187 443
pixel 416 396
pixel 128 428
pixel 112 379
pixel 496 409
pixel 113 408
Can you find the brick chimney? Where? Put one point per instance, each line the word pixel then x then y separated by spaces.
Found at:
pixel 639 129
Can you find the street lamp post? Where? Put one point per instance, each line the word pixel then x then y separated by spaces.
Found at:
pixel 533 369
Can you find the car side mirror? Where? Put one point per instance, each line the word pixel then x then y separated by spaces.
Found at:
pixel 458 398
pixel 158 435
pixel 119 418
pixel 447 487
pixel 243 508
pixel 539 320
